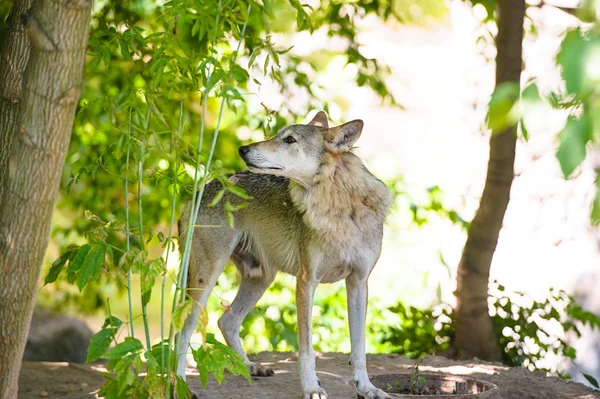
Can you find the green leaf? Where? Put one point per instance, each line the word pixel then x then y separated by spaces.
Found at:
pixel 92 264
pixel 230 219
pixel 161 349
pixel 113 322
pixel 196 27
pixel 253 56
pixel 240 192
pixel 214 78
pixel 281 52
pixel 570 352
pixel 130 345
pixel 106 55
pixel 57 266
pixel 571 58
pixel 573 139
pixel 524 131
pixel 218 197
pixel 239 74
pixel 76 263
pixel 596 205
pixel 124 380
pixel 128 259
pixel 98 344
pixel 266 65
pixel 268 8
pixel 125 50
pixel 181 313
pixel 156 111
pixel 181 388
pixel 591 380
pixel 500 114
pixel 216 357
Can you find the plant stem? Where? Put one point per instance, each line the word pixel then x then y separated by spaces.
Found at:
pixel 183 268
pixel 173 202
pixel 114 338
pixel 197 196
pixel 131 329
pixel 140 180
pixel 196 207
pixel 198 199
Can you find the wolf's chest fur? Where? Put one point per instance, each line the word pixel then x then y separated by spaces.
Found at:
pixel 335 224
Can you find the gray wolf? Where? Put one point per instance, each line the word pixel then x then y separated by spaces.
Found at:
pixel 317 214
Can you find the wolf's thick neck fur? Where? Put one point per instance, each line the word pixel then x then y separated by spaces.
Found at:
pixel 344 199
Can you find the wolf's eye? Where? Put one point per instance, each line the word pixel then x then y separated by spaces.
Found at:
pixel 289 140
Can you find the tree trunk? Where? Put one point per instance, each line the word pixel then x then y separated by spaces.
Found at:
pixel 13 60
pixel 36 120
pixel 474 335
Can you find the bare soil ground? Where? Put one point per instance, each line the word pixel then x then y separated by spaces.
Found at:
pixel 67 381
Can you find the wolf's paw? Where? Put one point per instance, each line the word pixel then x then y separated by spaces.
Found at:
pixel 258 370
pixel 315 394
pixel 371 393
pixel 366 390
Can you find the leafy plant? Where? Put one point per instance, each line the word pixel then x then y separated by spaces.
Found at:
pixel 417 381
pixel 165 91
pixel 527 330
pixel 419 331
pixel 580 98
pixel 139 124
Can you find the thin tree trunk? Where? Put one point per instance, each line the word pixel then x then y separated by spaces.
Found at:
pixel 37 134
pixel 474 335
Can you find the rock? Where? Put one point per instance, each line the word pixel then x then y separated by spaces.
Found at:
pixel 56 338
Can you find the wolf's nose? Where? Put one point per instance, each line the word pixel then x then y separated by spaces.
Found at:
pixel 244 150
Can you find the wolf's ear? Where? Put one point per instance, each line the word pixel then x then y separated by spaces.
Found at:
pixel 320 119
pixel 341 138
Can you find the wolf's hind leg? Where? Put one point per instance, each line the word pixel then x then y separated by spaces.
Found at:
pixel 250 291
pixel 207 260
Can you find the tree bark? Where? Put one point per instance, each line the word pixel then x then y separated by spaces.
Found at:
pixel 36 119
pixel 13 60
pixel 474 334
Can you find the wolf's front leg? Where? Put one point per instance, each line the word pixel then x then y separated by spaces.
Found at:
pixel 305 291
pixel 356 287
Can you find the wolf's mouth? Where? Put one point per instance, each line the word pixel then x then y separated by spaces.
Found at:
pixel 251 165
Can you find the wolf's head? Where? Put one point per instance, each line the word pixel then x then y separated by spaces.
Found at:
pixel 296 151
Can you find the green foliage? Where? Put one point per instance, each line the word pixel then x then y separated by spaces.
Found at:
pixel 518 319
pixel 527 330
pixel 591 380
pixel 84 263
pixel 214 357
pixel 578 53
pixel 434 205
pixel 573 140
pixel 126 361
pixel 501 108
pixel 419 331
pixel 417 382
pixel 578 58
